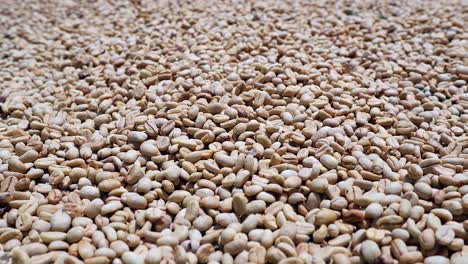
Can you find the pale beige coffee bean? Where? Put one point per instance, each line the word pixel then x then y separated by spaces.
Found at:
pixel 411 257
pixel 14 164
pixel 19 256
pixel 48 237
pixel 75 234
pixel 132 258
pixel 85 249
pixel 60 221
pixel 119 247
pixel 427 240
pixel 370 251
pixel 423 190
pixel 34 249
pixel 444 235
pixel 398 248
pixel 415 172
pixel 97 260
pixel 329 161
pixel 374 210
pixel 58 246
pixel 319 185
pixel 109 185
pixel 436 260
pixel 89 192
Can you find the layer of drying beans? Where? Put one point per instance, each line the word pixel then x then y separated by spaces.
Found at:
pixel 291 132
